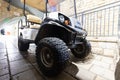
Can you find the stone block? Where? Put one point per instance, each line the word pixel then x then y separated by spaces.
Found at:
pixel 97 50
pixel 4 71
pixel 94 44
pixel 2 46
pixel 19 66
pixel 109 75
pixel 109 45
pixel 85 65
pixel 3 55
pixel 28 75
pixel 97 70
pixel 105 73
pixel 109 52
pixel 98 57
pixel 5 77
pixel 10 45
pixel 15 56
pixel 112 67
pixel 12 50
pixel 68 74
pixel 84 74
pixel 101 64
pixel 99 78
pixel 5 14
pixel 3 64
pixel 107 60
pixel 116 56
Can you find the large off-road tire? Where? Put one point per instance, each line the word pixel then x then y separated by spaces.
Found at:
pixel 52 55
pixel 82 50
pixel 22 44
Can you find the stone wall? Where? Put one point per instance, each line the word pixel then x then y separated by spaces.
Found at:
pixel 106 20
pixel 4 14
pixel 67 6
pixel 102 45
pixel 100 23
pixel 107 46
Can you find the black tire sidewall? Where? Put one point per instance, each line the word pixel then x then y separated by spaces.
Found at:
pixel 22 46
pixel 85 52
pixel 58 65
pixel 55 66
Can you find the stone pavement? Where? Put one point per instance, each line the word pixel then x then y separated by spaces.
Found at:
pixel 15 65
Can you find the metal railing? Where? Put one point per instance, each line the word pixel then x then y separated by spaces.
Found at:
pixel 101 21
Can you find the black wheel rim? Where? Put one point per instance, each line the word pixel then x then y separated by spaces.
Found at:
pixel 80 49
pixel 46 57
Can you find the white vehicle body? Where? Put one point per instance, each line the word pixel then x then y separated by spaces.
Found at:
pixel 31 32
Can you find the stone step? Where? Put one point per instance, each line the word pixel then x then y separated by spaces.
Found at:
pixel 103 52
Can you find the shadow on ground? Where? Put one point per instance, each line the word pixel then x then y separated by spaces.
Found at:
pixel 68 74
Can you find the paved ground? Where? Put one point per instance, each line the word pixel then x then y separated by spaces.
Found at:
pixel 22 66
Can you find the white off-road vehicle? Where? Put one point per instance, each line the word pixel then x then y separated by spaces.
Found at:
pixel 55 37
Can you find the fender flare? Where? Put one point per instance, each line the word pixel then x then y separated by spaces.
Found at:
pixel 47 28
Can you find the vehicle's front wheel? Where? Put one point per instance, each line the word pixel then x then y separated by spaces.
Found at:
pixel 82 50
pixel 52 55
pixel 22 44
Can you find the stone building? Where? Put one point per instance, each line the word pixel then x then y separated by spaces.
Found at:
pixel 90 13
pixel 101 20
pixel 67 7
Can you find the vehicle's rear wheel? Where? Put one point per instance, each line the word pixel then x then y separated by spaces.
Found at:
pixel 22 44
pixel 82 50
pixel 52 55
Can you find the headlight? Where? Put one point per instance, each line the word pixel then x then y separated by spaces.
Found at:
pixel 62 19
